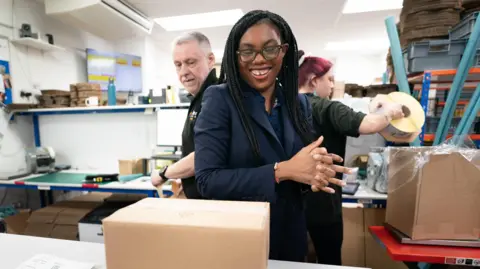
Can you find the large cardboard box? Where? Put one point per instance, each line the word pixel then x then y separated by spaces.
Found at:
pixel 433 194
pixel 185 234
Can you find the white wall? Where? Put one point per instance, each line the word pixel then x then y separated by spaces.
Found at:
pixel 32 69
pixel 359 69
pixel 94 141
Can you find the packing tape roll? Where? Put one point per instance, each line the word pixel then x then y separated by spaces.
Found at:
pixel 414 118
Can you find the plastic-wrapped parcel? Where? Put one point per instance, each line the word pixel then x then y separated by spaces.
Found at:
pixel 433 191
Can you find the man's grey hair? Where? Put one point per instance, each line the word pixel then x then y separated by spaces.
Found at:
pixel 194 36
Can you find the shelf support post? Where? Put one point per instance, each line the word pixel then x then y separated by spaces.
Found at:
pixel 36 130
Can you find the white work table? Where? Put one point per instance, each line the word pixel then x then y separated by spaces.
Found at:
pixel 16 249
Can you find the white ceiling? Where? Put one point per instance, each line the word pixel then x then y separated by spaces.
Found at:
pixel 314 22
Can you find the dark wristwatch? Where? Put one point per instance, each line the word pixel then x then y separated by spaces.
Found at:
pixel 162 172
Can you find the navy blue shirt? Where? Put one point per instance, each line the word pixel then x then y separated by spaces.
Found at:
pixel 275 116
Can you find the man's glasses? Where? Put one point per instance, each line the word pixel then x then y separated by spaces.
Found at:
pixel 269 53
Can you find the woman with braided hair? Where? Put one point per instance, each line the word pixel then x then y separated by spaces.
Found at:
pixel 253 139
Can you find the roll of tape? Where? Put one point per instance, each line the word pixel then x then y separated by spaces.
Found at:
pixel 409 127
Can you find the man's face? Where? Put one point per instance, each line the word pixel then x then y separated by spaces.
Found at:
pixel 192 65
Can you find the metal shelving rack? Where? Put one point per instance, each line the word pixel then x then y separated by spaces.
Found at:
pixel 441 80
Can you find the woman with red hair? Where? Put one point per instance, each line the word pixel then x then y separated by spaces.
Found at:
pixel 315 76
pixel 334 121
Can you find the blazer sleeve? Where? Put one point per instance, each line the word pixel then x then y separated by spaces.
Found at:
pixel 215 180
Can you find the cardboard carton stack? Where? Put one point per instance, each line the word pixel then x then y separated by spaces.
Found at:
pixel 60 220
pixel 433 193
pixel 212 234
pixel 428 19
pixel 54 99
pixel 470 6
pixel 81 91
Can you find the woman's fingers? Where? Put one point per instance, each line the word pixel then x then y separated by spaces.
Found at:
pixel 320 180
pixel 337 182
pixel 336 158
pixel 324 189
pixel 326 170
pixel 341 169
pixel 325 159
pixel 320 151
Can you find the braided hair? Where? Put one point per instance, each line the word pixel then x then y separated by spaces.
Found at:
pixel 287 77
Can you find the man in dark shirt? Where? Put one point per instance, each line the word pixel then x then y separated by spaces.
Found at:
pixel 194 61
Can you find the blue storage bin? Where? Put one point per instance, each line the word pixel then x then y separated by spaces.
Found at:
pixel 431 125
pixel 433 55
pixel 476 60
pixel 464 28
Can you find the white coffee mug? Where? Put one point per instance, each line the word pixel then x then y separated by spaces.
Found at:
pixel 91 101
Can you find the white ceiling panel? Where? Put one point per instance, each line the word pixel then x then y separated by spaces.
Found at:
pixel 314 22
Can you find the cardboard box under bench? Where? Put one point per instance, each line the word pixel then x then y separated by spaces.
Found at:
pixel 59 220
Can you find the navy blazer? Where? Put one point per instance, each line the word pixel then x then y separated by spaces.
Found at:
pixel 226 169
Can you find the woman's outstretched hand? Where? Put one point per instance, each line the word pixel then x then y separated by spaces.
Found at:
pixel 314 166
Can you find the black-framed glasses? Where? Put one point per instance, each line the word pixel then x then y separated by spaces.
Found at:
pixel 268 53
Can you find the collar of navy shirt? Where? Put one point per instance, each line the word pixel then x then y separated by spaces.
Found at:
pixel 256 109
pixel 209 81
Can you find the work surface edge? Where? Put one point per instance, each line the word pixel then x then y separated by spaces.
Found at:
pixel 16 249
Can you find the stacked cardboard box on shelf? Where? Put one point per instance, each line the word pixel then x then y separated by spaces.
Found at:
pixel 54 98
pixel 428 19
pixel 81 91
pixel 470 6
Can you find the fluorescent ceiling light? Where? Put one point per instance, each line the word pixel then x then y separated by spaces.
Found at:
pixel 200 20
pixel 359 6
pixel 359 45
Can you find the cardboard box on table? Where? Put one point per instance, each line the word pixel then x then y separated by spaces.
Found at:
pixel 434 193
pixel 185 234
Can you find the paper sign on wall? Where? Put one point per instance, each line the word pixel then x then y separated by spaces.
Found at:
pixel 6 84
pixel 4 49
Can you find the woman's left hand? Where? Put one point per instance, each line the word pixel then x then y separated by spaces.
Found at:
pixel 327 169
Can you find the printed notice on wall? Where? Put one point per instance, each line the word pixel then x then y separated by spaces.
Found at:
pixel 4 49
pixel 44 261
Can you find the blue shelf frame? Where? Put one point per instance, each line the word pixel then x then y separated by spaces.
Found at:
pixel 427 76
pixel 36 113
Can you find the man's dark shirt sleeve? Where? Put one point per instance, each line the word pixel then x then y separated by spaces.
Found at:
pixel 341 117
